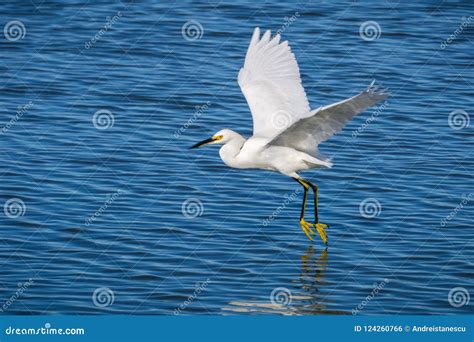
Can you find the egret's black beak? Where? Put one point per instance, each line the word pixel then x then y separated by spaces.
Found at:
pixel 204 142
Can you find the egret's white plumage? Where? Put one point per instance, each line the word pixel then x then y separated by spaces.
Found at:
pixel 270 81
pixel 286 132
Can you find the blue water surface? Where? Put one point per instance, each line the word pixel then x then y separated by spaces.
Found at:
pixel 106 210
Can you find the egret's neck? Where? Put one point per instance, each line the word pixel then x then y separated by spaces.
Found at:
pixel 231 149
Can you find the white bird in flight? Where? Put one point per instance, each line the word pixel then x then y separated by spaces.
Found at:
pixel 286 132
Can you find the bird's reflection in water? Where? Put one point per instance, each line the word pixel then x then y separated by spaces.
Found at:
pixel 312 280
pixel 307 299
pixel 313 267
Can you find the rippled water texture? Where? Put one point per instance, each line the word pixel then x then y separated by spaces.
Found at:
pixel 100 102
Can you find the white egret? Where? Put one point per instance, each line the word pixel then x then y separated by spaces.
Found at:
pixel 286 132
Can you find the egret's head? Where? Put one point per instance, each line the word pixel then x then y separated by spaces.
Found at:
pixel 220 138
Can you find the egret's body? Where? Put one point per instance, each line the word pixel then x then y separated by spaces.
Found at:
pixel 254 153
pixel 286 132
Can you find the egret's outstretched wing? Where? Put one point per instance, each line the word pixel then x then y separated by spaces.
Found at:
pixel 270 81
pixel 324 122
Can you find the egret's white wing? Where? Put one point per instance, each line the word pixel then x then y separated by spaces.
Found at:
pixel 324 122
pixel 270 81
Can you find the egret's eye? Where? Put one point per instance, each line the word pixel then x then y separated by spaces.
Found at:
pixel 217 137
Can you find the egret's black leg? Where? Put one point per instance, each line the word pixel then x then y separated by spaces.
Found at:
pixel 320 227
pixel 305 198
pixel 315 192
pixel 305 226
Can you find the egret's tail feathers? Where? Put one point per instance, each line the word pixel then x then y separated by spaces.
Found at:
pixel 314 162
pixel 328 163
pixel 322 159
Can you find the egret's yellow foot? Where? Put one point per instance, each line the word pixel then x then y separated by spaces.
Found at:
pixel 306 227
pixel 321 228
